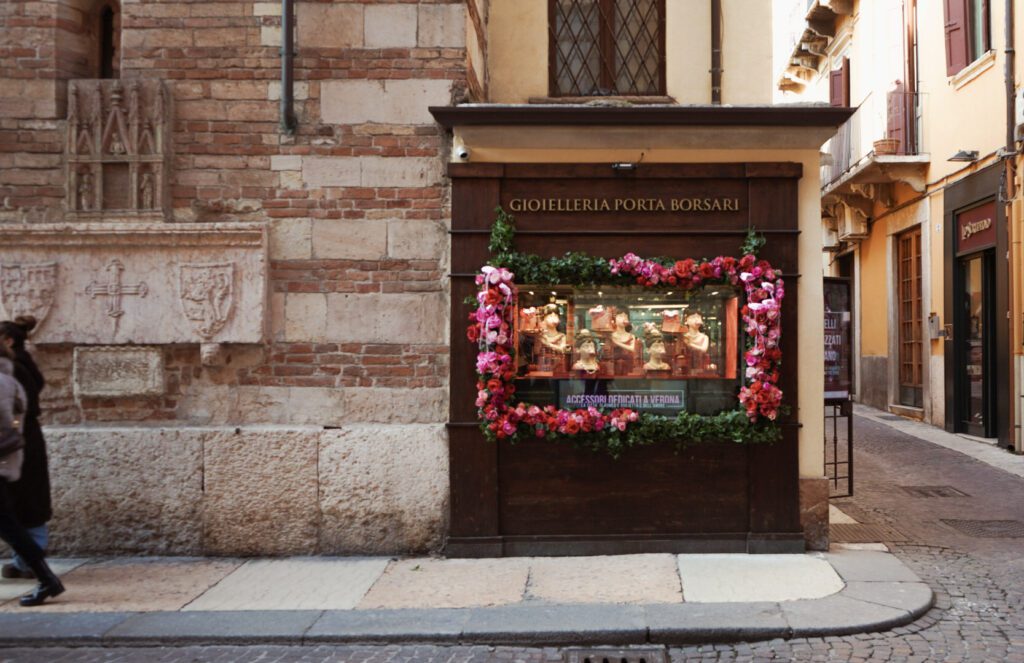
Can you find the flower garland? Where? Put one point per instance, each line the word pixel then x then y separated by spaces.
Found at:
pixel 491 328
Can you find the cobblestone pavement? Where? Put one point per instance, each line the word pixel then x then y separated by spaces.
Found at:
pixel 979 582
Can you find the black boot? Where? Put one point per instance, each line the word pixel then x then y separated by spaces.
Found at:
pixel 49 585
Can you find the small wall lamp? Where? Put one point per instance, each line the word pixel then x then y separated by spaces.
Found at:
pixel 964 155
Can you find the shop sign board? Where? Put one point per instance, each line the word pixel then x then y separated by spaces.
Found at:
pixel 838 339
pixel 976 228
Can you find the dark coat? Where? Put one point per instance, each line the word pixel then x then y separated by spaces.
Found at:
pixel 31 493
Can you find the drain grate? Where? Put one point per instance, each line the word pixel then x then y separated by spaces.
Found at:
pixel 863 533
pixel 988 529
pixel 933 491
pixel 628 655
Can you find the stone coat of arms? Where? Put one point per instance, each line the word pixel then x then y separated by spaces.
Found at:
pixel 28 289
pixel 207 295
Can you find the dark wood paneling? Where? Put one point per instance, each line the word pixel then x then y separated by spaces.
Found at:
pixel 549 498
pixel 549 489
pixel 474 483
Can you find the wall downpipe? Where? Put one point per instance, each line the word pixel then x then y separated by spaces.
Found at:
pixel 288 119
pixel 1016 255
pixel 716 51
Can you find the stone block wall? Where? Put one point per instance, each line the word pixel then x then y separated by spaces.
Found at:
pixel 356 206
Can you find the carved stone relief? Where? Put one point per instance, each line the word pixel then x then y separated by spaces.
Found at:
pixel 107 372
pixel 138 283
pixel 28 289
pixel 207 295
pixel 117 149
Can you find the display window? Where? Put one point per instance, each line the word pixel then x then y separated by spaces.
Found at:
pixel 610 347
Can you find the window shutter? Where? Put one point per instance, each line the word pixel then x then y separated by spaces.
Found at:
pixel 896 123
pixel 839 85
pixel 835 87
pixel 956 35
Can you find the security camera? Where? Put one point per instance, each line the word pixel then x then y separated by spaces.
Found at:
pixel 462 152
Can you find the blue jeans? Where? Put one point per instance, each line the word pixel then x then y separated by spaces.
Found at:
pixel 41 535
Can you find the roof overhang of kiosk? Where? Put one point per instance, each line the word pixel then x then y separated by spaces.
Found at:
pixel 490 129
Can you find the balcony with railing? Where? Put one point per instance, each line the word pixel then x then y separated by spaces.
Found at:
pixel 880 145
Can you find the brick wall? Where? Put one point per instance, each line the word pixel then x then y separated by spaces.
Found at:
pixel 356 201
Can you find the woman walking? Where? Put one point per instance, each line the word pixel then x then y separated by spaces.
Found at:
pixel 13 402
pixel 30 495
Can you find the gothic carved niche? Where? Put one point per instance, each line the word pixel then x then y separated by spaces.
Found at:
pixel 117 149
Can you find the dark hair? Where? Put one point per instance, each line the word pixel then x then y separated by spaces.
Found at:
pixel 5 352
pixel 18 329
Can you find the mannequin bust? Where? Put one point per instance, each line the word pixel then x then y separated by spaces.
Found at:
pixel 655 343
pixel 586 350
pixel 550 338
pixel 693 337
pixel 622 336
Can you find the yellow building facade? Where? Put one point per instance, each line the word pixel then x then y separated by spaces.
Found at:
pixel 920 200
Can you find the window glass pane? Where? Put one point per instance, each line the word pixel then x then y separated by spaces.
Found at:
pixel 577 26
pixel 629 347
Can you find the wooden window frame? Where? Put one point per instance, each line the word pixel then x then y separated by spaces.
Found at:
pixel 961 21
pixel 607 42
pixel 909 320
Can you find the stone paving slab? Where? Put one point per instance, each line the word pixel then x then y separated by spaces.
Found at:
pixel 840 615
pixel 449 583
pixel 294 584
pixel 756 578
pixel 611 579
pixel 909 596
pixel 715 622
pixel 11 589
pixel 30 627
pixel 224 627
pixel 556 625
pixel 389 626
pixel 134 584
pixel 869 565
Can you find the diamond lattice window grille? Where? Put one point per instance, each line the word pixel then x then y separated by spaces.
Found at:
pixel 607 47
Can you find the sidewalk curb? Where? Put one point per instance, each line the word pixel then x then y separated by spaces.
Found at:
pixel 879 593
pixel 549 625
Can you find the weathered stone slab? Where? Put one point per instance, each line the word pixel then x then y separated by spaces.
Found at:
pixel 623 579
pixel 351 239
pixel 755 578
pixel 115 284
pixel 260 492
pixel 31 627
pixel 382 101
pixel 329 25
pixel 110 372
pixel 389 25
pixel 400 172
pixel 122 490
pixel 840 615
pixel 388 318
pixel 449 583
pixel 423 240
pixel 293 584
pixel 715 622
pixel 442 25
pixel 134 585
pixel 383 489
pixel 424 625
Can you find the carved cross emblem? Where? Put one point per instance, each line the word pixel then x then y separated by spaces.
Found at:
pixel 114 289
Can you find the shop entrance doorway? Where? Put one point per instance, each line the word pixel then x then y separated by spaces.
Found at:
pixel 975 356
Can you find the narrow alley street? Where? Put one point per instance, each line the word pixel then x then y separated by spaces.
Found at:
pixel 926 493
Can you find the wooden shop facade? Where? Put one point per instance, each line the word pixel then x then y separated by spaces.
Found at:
pixel 587 180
